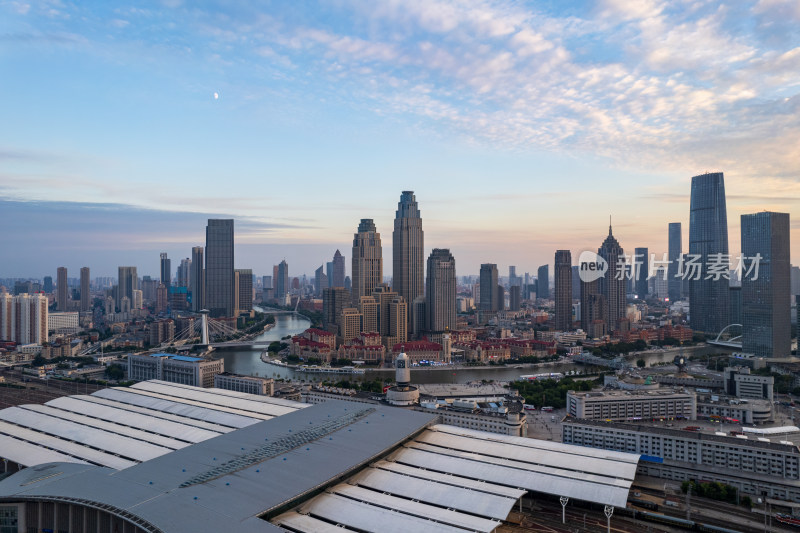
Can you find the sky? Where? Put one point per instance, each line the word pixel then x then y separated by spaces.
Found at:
pixel 520 126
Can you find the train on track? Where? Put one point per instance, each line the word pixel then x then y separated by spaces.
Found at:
pixel 648 516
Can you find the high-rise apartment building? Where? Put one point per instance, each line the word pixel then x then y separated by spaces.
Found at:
pixel 62 289
pixel 127 282
pixel 23 318
pixel 338 270
pixel 440 291
pixel 398 322
pixel 367 259
pixel 166 270
pixel 408 275
pixel 766 303
pixel 282 288
pixel 184 272
pixel 708 245
pixel 673 256
pixel 244 284
pixel 197 282
pixel 612 284
pixel 368 307
pixel 219 294
pixel 543 282
pixel 641 266
pixel 563 290
pixel 86 295
pixel 488 288
pixel 350 324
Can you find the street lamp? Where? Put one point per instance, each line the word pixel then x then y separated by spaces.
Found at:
pixel 563 501
pixel 608 510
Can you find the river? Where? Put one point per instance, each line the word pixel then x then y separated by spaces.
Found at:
pixel 248 362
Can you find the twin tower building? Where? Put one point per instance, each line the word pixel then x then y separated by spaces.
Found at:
pixel 412 306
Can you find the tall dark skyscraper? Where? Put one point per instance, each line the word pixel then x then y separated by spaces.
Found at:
pixel 543 282
pixel 197 280
pixel 219 298
pixel 641 266
pixel 593 309
pixel 766 303
pixel 367 267
pixel 612 285
pixel 338 270
pixel 62 289
pixel 673 255
pixel 488 294
pixel 408 247
pixel 320 281
pixel 514 297
pixel 563 290
pixel 440 291
pixel 127 283
pixel 709 299
pixel 48 284
pixel 166 270
pixel 86 295
pixel 282 288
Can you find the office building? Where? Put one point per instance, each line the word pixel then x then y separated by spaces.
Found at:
pixel 282 286
pixel 334 299
pixel 397 321
pixel 563 290
pixel 488 288
pixel 127 282
pixel 182 369
pixel 622 405
pixel 63 323
pixel 338 270
pixel 709 303
pixel 612 284
pixel 408 275
pixel 198 280
pixel 576 282
pixel 24 318
pixel 368 307
pixel 166 270
pixel 501 298
pixel 675 246
pixel 367 259
pixel 350 324
pixel 512 276
pixel 62 289
pixel 766 300
pixel 245 384
pixel 48 284
pixel 794 280
pixel 739 382
pixel 244 282
pixel 86 293
pixel 543 282
pixel 219 295
pixel 320 281
pixel 440 291
pixel 514 298
pixel 641 264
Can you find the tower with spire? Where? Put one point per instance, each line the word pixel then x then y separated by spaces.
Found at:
pixel 612 285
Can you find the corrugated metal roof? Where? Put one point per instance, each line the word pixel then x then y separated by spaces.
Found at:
pixel 28 454
pixel 206 405
pixel 168 428
pixel 301 522
pixel 236 394
pixel 435 493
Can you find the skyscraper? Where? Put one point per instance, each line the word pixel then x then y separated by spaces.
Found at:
pixel 329 273
pixel 184 272
pixel 563 290
pixel 440 291
pixel 334 299
pixel 488 288
pixel 338 270
pixel 408 249
pixel 593 309
pixel 514 298
pixel 367 268
pixel 612 284
pixel 320 281
pixel 543 282
pixel 48 284
pixel 128 281
pixel 641 267
pixel 766 303
pixel 709 299
pixel 245 289
pixel 197 283
pixel 283 287
pixel 62 289
pixel 219 294
pixel 86 296
pixel 673 255
pixel 512 276
pixel 166 270
pixel 23 318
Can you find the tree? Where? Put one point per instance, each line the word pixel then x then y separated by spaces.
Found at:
pixel 115 372
pixel 640 363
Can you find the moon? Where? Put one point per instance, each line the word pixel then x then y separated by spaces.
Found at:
pixel 216 96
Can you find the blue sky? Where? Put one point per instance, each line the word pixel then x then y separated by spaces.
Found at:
pixel 520 126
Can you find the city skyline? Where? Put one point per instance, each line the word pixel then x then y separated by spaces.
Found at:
pixel 433 97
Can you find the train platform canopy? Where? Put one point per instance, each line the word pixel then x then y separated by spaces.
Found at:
pixel 339 464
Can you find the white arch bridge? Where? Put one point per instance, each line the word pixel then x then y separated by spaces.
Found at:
pixel 725 337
